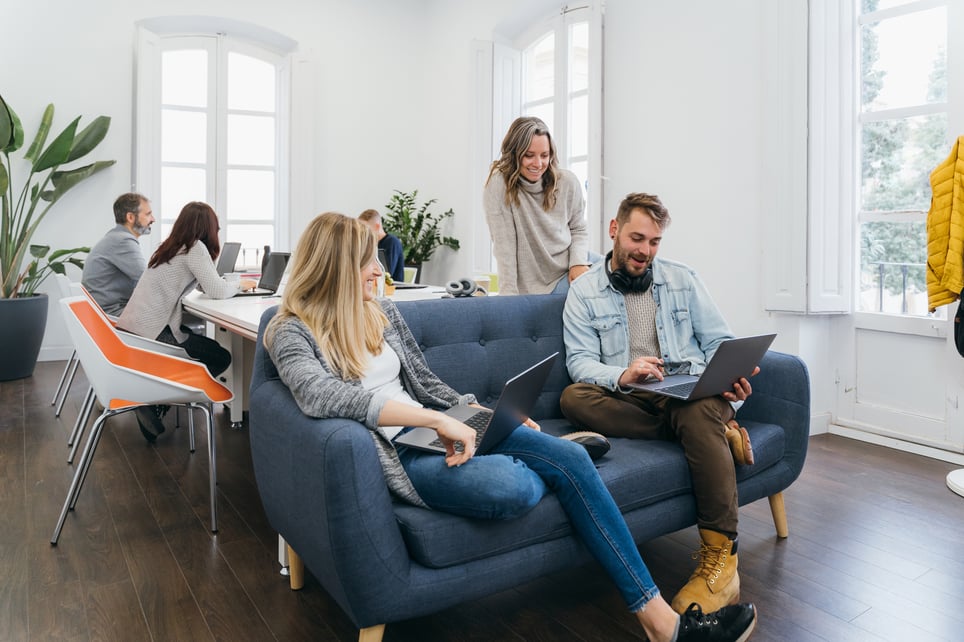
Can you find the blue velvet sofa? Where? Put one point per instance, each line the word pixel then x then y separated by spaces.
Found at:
pixel 385 561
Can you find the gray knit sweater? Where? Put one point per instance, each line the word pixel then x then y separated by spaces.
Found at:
pixel 535 248
pixel 156 301
pixel 320 393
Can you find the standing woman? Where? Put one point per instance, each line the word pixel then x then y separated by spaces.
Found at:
pixel 342 353
pixel 185 259
pixel 536 213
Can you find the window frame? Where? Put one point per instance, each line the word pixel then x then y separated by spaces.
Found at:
pixel 222 37
pixel 869 319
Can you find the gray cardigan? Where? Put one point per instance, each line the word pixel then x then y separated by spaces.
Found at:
pixel 320 393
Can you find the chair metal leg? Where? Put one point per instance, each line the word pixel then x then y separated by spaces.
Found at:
pixel 81 422
pixel 190 426
pixel 84 465
pixel 63 377
pixel 81 473
pixel 70 380
pixel 212 464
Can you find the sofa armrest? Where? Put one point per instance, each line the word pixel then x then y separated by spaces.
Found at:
pixel 323 490
pixel 781 395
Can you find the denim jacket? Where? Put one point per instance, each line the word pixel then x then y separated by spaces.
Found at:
pixel 595 324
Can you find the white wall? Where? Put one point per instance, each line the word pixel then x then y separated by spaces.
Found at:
pixel 393 85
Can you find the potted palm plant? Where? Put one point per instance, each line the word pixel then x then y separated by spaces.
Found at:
pixel 23 265
pixel 416 227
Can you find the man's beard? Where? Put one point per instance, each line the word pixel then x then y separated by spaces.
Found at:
pixel 143 230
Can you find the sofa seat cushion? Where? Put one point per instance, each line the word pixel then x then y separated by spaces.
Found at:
pixel 637 473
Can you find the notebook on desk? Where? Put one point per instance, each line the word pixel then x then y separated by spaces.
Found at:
pixel 733 360
pixel 518 397
pixel 271 275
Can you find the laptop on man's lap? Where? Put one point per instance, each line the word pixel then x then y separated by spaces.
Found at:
pixel 518 397
pixel 733 360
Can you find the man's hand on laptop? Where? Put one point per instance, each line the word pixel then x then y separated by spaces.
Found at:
pixel 453 432
pixel 247 284
pixel 641 369
pixel 741 389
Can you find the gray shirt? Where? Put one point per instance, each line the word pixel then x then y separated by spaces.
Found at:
pixel 112 269
pixel 535 248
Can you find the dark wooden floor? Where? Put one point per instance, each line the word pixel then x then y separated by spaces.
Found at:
pixel 875 549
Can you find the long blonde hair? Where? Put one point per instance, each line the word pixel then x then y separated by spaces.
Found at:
pixel 324 291
pixel 514 146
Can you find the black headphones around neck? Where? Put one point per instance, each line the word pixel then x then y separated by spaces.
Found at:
pixel 625 282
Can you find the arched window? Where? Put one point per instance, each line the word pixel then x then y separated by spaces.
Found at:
pixel 213 126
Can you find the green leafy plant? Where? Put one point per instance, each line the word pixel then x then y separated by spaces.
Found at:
pixel 416 227
pixel 23 209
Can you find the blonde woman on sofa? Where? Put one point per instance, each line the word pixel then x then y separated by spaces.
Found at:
pixel 343 353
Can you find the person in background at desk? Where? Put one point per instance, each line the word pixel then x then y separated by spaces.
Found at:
pixel 184 260
pixel 536 214
pixel 344 353
pixel 116 263
pixel 394 252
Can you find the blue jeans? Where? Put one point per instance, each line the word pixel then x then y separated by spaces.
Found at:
pixel 511 481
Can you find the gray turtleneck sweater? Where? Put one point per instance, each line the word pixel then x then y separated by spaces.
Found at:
pixel 535 248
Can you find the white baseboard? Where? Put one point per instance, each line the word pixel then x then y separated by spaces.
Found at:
pixel 56 353
pixel 897 444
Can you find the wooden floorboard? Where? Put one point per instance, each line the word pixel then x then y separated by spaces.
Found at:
pixel 874 551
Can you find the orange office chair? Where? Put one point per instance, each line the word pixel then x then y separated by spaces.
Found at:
pixel 73 441
pixel 125 377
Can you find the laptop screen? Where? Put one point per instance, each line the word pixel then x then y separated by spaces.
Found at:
pixel 229 257
pixel 274 271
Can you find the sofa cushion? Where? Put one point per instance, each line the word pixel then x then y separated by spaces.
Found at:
pixel 438 540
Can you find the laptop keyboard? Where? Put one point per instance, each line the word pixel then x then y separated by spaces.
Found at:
pixel 476 422
pixel 681 389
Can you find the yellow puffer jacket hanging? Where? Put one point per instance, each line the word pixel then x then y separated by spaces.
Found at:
pixel 945 230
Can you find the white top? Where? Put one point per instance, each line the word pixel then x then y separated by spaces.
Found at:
pixel 384 376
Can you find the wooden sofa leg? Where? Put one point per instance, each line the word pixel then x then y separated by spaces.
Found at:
pixel 372 633
pixel 779 512
pixel 296 570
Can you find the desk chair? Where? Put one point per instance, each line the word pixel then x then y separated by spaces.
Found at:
pixel 124 378
pixel 130 339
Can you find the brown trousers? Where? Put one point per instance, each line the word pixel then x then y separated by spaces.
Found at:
pixel 697 425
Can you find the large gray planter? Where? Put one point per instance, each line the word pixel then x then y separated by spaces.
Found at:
pixel 22 325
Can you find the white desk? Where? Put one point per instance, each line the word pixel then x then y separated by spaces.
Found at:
pixel 236 323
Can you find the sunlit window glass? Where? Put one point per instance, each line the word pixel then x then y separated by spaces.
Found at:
pixel 184 78
pixel 540 69
pixel 251 84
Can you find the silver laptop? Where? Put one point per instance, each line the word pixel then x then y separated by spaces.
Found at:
pixel 492 426
pixel 733 360
pixel 271 275
pixel 229 257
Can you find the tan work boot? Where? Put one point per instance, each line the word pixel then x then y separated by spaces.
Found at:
pixel 715 582
pixel 739 440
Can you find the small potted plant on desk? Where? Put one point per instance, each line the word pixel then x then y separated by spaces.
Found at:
pixel 389 285
pixel 417 228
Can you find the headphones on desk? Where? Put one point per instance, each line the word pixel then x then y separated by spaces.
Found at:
pixel 464 287
pixel 625 282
